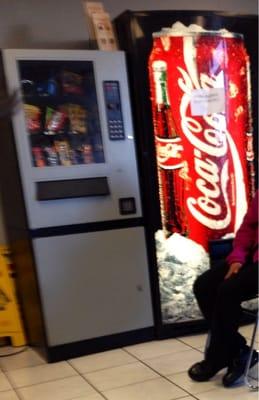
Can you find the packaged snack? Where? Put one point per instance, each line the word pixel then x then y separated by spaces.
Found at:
pixel 51 156
pixel 55 121
pixel 42 89
pixel 78 155
pixel 38 157
pixel 28 87
pixel 62 148
pixel 73 157
pixel 77 118
pixel 48 87
pixel 32 118
pixel 71 83
pixel 87 151
pixel 52 86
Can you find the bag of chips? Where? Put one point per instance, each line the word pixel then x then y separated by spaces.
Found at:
pixel 32 118
pixel 71 83
pixel 63 150
pixel 38 157
pixel 55 121
pixel 77 118
pixel 51 156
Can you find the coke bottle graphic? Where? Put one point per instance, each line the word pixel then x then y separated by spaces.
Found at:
pixel 169 154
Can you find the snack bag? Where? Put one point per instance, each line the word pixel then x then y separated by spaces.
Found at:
pixel 28 87
pixel 71 83
pixel 55 121
pixel 32 118
pixel 51 156
pixel 73 156
pixel 38 157
pixel 77 118
pixel 63 150
pixel 87 151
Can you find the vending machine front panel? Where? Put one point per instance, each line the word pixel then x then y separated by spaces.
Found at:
pixel 74 104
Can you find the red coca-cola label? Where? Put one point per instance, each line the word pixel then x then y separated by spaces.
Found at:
pixel 214 143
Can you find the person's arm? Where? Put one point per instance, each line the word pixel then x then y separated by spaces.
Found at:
pixel 245 239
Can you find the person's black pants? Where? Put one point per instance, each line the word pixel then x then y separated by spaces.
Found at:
pixel 219 301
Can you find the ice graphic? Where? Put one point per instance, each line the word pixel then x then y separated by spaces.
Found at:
pixel 180 261
pixel 178 28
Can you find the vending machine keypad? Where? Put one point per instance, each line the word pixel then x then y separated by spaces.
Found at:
pixel 113 110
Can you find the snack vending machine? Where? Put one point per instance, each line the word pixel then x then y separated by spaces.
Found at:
pixel 196 130
pixel 72 202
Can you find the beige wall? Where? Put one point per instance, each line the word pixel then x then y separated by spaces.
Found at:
pixel 61 23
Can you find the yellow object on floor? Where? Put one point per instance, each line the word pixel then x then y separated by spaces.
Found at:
pixel 10 318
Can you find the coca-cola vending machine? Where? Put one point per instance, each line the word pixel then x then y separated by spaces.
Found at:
pixel 196 130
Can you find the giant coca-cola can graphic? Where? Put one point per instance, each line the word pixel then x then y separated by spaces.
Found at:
pixel 202 124
pixel 201 106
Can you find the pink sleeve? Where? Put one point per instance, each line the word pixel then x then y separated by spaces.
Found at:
pixel 246 236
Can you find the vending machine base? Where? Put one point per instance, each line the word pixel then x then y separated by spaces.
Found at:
pixel 86 347
pixel 87 297
pixel 101 289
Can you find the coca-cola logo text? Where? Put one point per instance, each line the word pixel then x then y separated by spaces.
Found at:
pixel 210 140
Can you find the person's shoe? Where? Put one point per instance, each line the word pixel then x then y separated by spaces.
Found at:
pixel 203 371
pixel 237 368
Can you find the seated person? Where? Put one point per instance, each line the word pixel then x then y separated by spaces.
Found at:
pixel 219 293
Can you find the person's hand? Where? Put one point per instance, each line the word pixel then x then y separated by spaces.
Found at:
pixel 233 269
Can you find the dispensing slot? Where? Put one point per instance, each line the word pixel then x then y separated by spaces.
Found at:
pixel 72 188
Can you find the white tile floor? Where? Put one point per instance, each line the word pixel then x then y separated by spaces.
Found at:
pixel 149 371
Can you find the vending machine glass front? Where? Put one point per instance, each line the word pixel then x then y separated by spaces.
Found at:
pixel 61 112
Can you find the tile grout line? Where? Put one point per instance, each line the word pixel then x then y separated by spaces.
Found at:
pixel 128 363
pixel 12 387
pixel 192 347
pixel 180 372
pixel 129 384
pixel 80 397
pixel 102 369
pixel 39 383
pixel 185 397
pixel 82 376
pixel 17 394
pixel 117 387
pixel 16 369
pixel 180 387
pixel 11 390
pixel 161 355
pixel 165 377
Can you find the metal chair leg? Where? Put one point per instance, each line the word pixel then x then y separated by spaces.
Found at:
pixel 247 379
